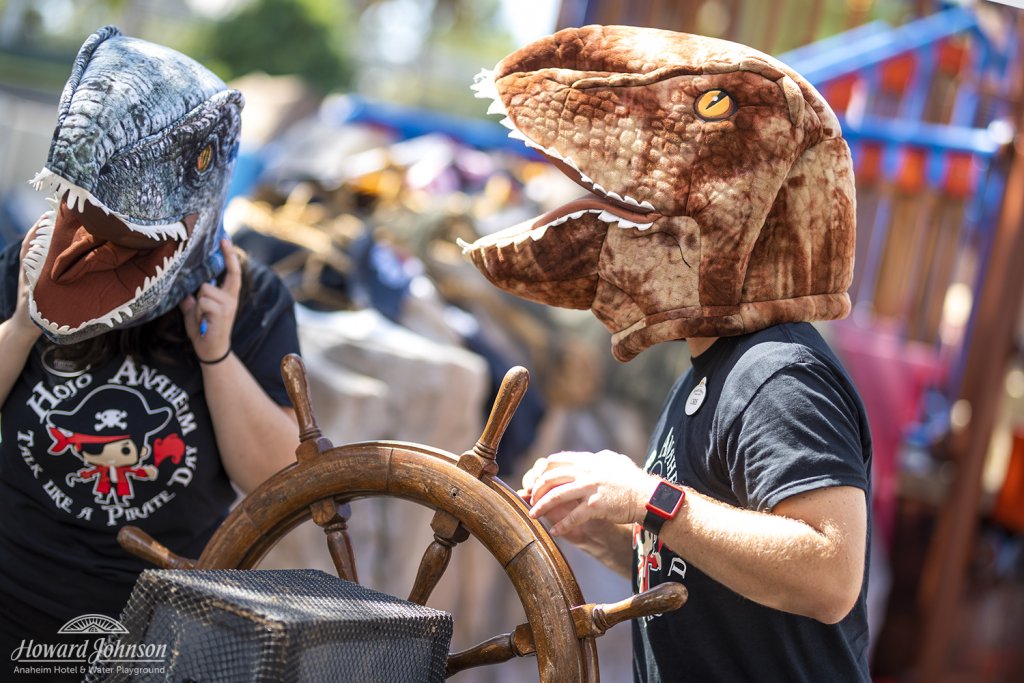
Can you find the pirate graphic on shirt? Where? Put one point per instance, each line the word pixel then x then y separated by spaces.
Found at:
pixel 110 431
pixel 652 555
pixel 648 554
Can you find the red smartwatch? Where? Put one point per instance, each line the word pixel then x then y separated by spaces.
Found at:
pixel 663 505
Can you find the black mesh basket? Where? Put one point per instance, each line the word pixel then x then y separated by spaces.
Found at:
pixel 271 625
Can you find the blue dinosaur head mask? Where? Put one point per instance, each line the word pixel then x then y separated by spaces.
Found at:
pixel 140 161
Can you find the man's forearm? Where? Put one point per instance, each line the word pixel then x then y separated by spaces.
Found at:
pixel 780 561
pixel 611 546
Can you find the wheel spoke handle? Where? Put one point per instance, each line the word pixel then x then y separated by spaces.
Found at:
pixel 591 620
pixel 139 543
pixel 481 459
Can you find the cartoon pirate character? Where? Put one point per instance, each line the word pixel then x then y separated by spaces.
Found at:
pixel 648 556
pixel 107 440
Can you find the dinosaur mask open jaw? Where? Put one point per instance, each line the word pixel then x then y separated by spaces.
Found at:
pixel 608 206
pixel 109 260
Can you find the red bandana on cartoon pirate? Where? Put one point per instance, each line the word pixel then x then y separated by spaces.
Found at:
pixel 110 432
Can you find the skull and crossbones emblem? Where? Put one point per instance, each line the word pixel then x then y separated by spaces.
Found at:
pixel 110 418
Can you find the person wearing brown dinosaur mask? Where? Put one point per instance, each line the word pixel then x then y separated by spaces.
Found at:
pixel 720 212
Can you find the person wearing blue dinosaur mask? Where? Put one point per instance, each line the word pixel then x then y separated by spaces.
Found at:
pixel 141 350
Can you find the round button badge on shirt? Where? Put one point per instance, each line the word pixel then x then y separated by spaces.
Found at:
pixel 696 397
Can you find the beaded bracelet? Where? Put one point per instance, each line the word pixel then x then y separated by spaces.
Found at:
pixel 214 362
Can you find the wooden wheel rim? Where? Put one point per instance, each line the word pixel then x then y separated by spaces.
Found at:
pixel 430 477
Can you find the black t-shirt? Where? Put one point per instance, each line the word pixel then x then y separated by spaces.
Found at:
pixel 757 419
pixel 86 451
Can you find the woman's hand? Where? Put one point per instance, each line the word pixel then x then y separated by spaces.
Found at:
pixel 574 489
pixel 210 313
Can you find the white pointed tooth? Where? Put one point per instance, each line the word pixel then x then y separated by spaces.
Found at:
pixel 599 188
pixel 576 214
pixel 538 233
pixel 507 122
pixel 608 217
pixel 42 179
pixel 463 244
pixel 483 85
pixel 585 178
pixel 497 107
pixel 615 196
pixel 482 77
pixel 154 231
pixel 517 134
pixel 554 153
pixel 646 205
pixel 572 164
pixel 629 200
pixel 138 292
pixel 63 329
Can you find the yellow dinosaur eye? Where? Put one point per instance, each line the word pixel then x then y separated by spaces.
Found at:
pixel 204 159
pixel 715 105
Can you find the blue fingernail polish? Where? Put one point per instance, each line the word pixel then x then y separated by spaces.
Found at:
pixel 203 326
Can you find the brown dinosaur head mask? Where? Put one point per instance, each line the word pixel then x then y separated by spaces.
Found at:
pixel 721 196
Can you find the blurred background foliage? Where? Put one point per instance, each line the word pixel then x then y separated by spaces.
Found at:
pixel 413 52
pixel 281 37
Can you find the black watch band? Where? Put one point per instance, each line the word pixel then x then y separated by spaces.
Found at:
pixel 652 523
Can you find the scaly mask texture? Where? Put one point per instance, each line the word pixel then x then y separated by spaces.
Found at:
pixel 139 163
pixel 721 196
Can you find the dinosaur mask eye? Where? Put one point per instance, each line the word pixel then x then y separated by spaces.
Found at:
pixel 204 159
pixel 715 105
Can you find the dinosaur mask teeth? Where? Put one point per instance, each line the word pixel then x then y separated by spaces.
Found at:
pixel 484 87
pixel 78 198
pixel 87 311
pixel 83 245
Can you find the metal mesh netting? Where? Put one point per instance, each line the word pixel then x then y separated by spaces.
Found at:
pixel 271 625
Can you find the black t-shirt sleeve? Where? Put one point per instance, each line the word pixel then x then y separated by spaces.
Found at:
pixel 265 331
pixel 799 432
pixel 10 267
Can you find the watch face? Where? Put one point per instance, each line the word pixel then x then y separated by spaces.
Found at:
pixel 665 498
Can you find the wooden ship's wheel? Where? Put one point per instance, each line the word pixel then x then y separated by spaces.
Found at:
pixel 467 498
